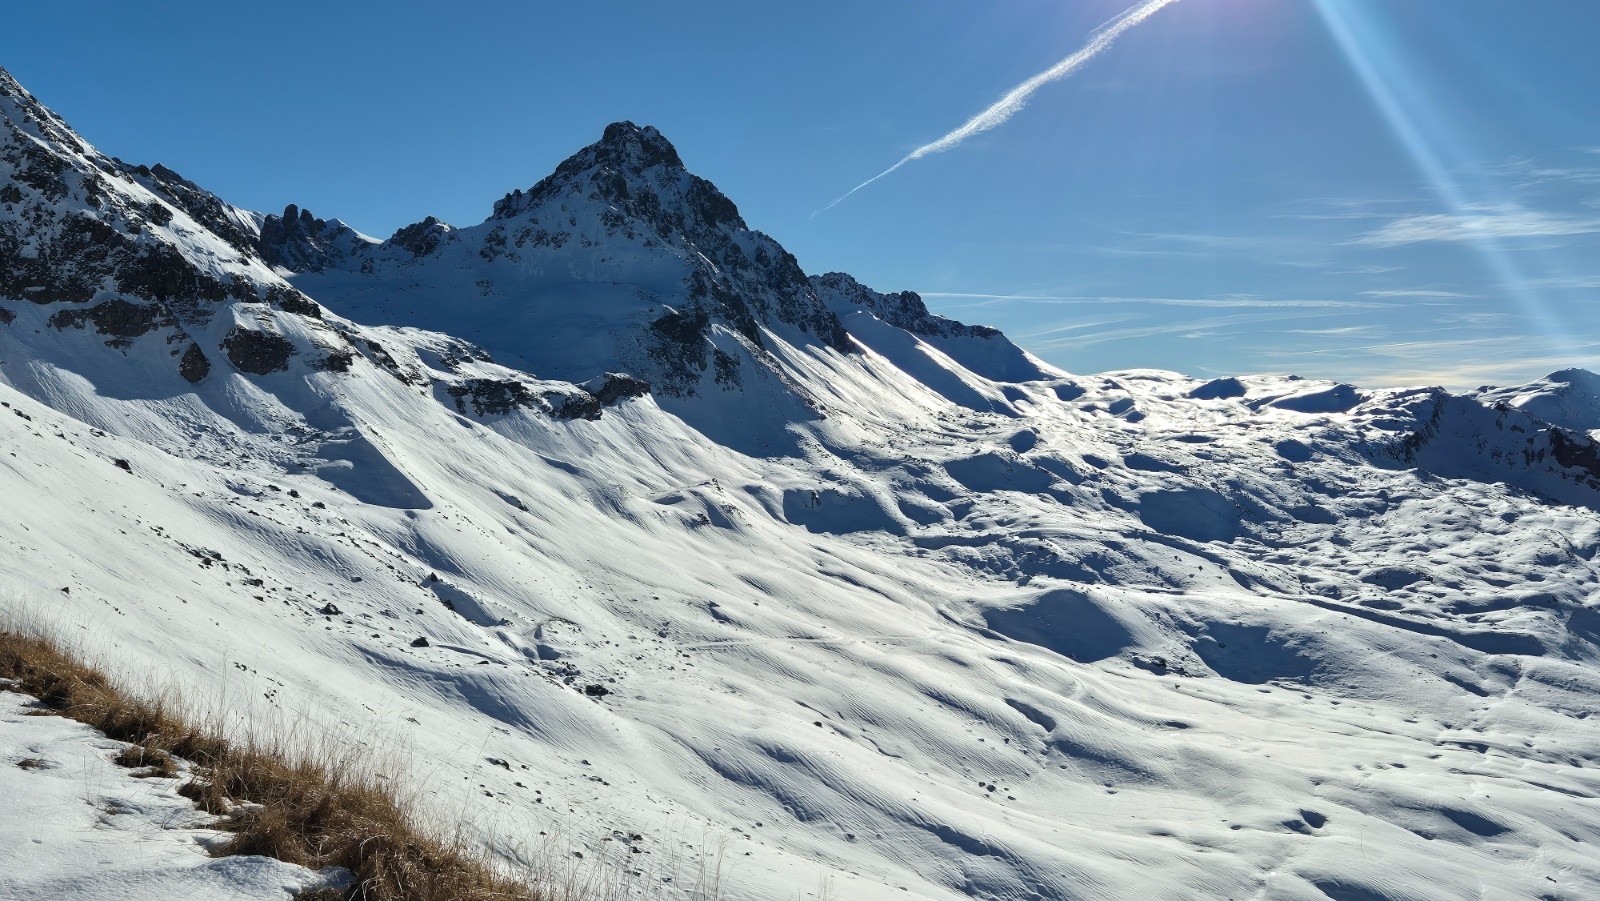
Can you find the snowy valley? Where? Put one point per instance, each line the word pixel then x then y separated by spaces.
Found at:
pixel 646 545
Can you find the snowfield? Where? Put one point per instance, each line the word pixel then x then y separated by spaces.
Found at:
pixel 855 602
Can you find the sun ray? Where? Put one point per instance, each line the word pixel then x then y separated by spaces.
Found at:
pixel 1378 63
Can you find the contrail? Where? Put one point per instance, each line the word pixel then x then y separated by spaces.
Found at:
pixel 1013 102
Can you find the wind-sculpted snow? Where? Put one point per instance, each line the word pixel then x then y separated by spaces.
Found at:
pixel 869 620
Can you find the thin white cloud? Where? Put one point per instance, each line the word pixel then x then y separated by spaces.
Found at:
pixel 1278 249
pixel 1331 332
pixel 1454 363
pixel 1567 283
pixel 1491 223
pixel 1462 346
pixel 1477 319
pixel 1057 331
pixel 1459 376
pixel 966 299
pixel 1145 252
pixel 1013 102
pixel 1368 270
pixel 1207 241
pixel 1333 209
pixel 1528 172
pixel 1233 323
pixel 1418 293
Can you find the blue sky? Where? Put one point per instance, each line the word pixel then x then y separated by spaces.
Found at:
pixel 1382 191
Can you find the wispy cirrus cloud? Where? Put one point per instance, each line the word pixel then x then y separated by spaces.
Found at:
pixel 1527 172
pixel 1130 329
pixel 1568 282
pixel 1336 332
pixel 1367 270
pixel 1457 364
pixel 1269 249
pixel 1488 223
pixel 1001 111
pixel 1418 294
pixel 1206 241
pixel 965 299
pixel 1335 209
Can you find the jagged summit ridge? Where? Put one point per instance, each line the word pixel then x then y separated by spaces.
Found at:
pixel 654 264
pixel 127 251
pixel 624 153
pixel 902 309
pixel 638 171
pixel 21 110
pixel 299 241
pixel 672 282
pixel 627 142
pixel 126 269
pixel 621 261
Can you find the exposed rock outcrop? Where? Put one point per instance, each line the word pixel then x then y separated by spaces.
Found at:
pixel 257 352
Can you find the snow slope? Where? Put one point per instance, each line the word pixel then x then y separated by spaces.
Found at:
pixel 883 608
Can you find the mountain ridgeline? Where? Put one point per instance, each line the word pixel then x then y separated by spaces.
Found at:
pixel 685 293
pixel 621 254
pixel 620 272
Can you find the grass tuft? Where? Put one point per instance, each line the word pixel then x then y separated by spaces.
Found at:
pixel 316 808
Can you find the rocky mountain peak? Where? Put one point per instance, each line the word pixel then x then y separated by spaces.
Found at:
pixel 134 255
pixel 902 309
pixel 421 238
pixel 663 257
pixel 669 281
pixel 1580 377
pixel 626 145
pixel 20 111
pixel 302 242
pixel 638 171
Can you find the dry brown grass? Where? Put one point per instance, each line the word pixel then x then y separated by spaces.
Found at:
pixel 313 808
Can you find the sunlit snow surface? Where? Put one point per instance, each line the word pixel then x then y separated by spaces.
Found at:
pixel 1569 398
pixel 1186 663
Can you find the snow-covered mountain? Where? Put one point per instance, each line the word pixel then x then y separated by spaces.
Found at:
pixel 1569 399
pixel 634 534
